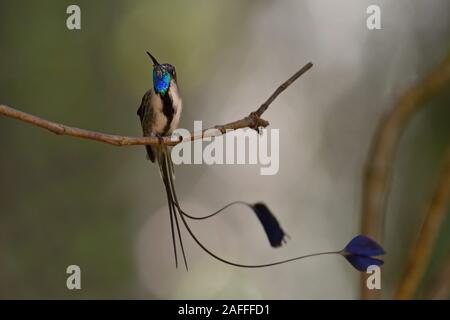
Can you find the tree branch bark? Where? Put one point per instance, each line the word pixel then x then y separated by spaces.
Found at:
pixel 253 120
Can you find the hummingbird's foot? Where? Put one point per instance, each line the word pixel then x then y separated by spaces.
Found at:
pixel 160 137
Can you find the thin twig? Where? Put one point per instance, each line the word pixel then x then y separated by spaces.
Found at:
pixel 253 121
pixel 423 247
pixel 281 88
pixel 384 145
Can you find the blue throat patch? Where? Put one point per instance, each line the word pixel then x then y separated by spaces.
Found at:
pixel 161 81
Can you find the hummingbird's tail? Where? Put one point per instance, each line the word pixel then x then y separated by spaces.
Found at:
pixel 271 226
pixel 150 153
pixel 273 230
pixel 167 175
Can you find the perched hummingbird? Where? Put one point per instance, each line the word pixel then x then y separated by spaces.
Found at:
pixel 161 106
pixel 159 113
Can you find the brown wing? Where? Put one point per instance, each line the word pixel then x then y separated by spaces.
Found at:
pixel 145 104
pixel 145 115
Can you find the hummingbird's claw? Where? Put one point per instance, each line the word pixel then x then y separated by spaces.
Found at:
pixel 160 137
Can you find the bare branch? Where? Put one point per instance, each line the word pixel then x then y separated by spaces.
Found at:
pixel 253 121
pixel 384 145
pixel 283 87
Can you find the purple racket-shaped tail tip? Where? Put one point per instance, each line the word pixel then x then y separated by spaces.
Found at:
pixel 273 230
pixel 361 263
pixel 360 252
pixel 365 246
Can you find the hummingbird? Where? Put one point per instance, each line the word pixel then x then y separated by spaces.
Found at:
pixel 159 113
pixel 161 105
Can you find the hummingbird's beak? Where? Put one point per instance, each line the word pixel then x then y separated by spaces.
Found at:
pixel 155 63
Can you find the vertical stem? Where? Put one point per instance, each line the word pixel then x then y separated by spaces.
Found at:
pixel 423 247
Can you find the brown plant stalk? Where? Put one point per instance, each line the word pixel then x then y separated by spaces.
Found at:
pixel 423 247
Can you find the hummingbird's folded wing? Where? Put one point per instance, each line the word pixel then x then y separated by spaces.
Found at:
pixel 145 113
pixel 145 103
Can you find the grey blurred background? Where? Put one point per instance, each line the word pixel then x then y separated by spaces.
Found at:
pixel 67 201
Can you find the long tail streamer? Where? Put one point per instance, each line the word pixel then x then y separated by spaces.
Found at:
pixel 270 224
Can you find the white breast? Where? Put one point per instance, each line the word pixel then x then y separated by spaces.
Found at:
pixel 159 121
pixel 177 106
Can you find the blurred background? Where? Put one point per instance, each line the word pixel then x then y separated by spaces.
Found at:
pixel 68 201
